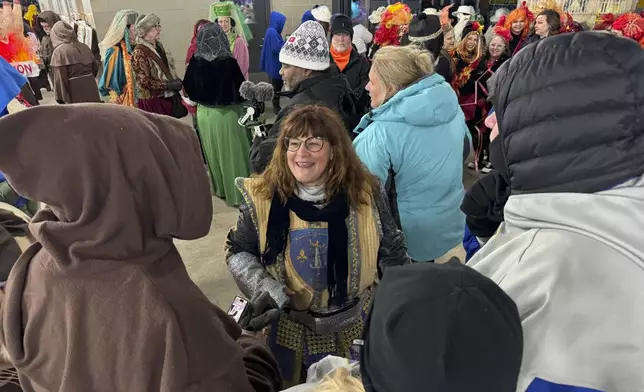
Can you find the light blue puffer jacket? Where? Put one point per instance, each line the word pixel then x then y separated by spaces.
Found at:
pixel 420 132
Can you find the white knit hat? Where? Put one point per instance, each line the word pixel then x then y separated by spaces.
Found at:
pixel 321 13
pixel 307 48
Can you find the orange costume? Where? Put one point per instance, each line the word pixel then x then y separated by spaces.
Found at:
pixel 17 49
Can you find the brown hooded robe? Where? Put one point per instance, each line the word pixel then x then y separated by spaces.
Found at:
pixel 74 67
pixel 103 302
pixel 46 47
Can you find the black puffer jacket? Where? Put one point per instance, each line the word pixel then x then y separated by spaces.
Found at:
pixel 329 88
pixel 570 110
pixel 357 74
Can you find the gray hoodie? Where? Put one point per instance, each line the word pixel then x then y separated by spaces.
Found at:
pixel 574 265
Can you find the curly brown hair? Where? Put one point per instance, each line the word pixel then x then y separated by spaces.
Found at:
pixel 345 172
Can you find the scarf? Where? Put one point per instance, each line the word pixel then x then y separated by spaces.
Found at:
pixel 212 43
pixel 128 96
pixel 341 59
pixel 232 37
pixel 335 214
pixel 313 194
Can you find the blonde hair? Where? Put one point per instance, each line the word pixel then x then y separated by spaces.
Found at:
pixel 340 380
pixel 400 66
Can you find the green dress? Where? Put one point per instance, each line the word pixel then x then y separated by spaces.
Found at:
pixel 226 145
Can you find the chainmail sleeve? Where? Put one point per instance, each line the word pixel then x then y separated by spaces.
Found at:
pixel 243 259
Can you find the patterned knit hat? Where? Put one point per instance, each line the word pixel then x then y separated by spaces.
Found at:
pixel 307 48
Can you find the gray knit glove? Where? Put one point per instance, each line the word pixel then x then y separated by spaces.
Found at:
pixel 263 311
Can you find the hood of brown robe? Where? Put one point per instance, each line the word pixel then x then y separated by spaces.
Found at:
pixel 49 17
pixel 46 47
pixel 67 49
pixel 103 301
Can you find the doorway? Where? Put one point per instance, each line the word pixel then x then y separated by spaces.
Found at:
pixel 256 13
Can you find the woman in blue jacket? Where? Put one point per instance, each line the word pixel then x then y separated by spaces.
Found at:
pixel 413 141
pixel 270 60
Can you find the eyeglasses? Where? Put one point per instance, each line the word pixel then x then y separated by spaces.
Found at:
pixel 313 144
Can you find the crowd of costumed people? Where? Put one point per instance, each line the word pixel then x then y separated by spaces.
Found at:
pixel 363 261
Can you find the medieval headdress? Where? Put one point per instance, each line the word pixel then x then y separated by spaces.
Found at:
pixel 118 30
pixel 233 11
pixel 502 32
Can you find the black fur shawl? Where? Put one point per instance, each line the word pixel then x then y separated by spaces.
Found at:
pixel 213 83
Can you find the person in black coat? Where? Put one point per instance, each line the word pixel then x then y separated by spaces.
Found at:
pixel 425 30
pixel 348 61
pixel 309 80
pixel 497 53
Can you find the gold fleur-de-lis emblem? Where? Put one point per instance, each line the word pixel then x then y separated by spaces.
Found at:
pixel 302 257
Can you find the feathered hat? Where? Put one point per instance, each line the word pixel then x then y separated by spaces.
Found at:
pixel 631 25
pixel 503 32
pixel 548 5
pixel 394 17
pixel 604 22
pixel 472 27
pixel 376 15
pixel 568 24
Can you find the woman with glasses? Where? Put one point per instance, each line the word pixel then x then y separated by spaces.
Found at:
pixel 156 78
pixel 498 51
pixel 313 237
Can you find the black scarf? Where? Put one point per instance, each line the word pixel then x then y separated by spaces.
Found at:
pixel 335 214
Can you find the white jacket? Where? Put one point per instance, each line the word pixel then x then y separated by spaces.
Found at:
pixel 361 38
pixel 574 265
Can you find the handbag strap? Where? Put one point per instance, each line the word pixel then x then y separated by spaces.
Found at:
pixel 157 59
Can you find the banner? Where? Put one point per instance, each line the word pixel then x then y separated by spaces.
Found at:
pixel 28 69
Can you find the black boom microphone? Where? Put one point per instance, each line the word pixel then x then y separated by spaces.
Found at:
pixel 257 94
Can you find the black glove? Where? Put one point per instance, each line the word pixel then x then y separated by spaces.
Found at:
pixel 263 311
pixel 174 85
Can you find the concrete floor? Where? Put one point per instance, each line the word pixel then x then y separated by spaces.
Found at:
pixel 204 258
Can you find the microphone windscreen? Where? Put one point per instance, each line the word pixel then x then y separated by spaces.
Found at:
pixel 248 90
pixel 264 92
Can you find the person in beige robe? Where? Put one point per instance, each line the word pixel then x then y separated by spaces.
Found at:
pixel 74 67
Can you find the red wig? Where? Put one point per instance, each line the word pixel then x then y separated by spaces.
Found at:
pixel 521 13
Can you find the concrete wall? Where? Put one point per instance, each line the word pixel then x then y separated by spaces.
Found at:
pixel 293 9
pixel 179 16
